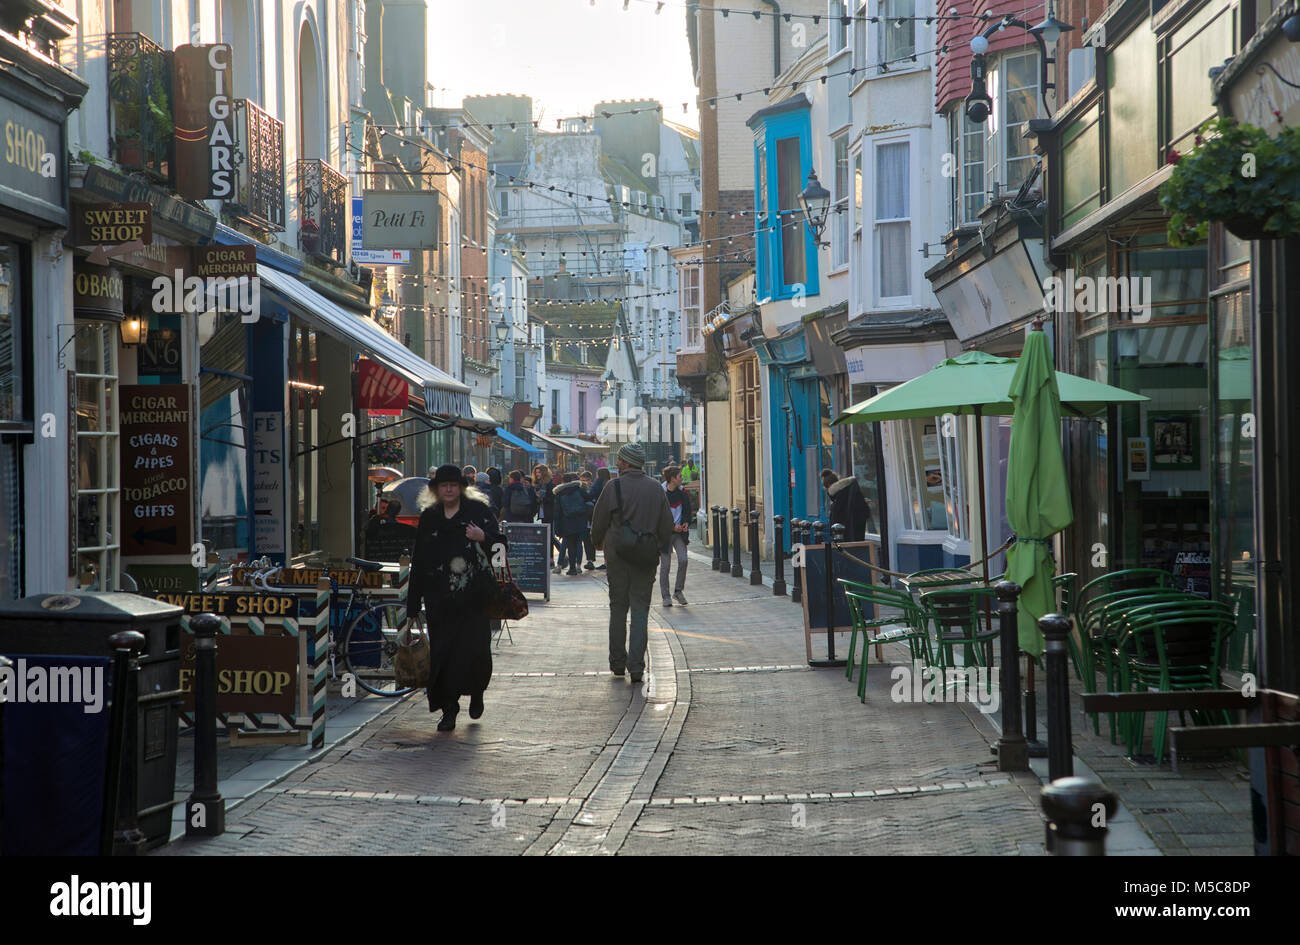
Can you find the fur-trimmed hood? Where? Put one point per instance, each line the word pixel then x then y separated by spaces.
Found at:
pixel 839 485
pixel 567 487
pixel 427 498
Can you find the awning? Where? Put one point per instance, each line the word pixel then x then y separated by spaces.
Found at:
pixel 443 394
pixel 554 444
pixel 518 443
pixel 585 446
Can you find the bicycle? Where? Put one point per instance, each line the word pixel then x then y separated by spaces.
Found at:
pixel 364 631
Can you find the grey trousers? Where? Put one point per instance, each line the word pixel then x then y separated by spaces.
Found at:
pixel 629 588
pixel 678 545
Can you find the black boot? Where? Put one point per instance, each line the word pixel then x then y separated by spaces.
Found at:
pixel 448 720
pixel 476 705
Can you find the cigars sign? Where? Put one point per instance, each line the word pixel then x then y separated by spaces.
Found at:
pixel 205 139
pixel 156 490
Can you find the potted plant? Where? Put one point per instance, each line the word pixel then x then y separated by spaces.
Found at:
pixel 386 453
pixel 1238 175
pixel 556 428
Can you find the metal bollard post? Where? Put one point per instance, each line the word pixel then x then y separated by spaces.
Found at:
pixel 755 573
pixel 736 569
pixel 1078 811
pixel 1060 750
pixel 778 555
pixel 797 543
pixel 205 811
pixel 5 663
pixel 121 780
pixel 713 533
pixel 1013 753
pixel 724 559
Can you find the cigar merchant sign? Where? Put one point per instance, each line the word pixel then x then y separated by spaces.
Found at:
pixel 156 482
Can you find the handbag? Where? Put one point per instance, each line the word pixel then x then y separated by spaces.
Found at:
pixel 411 663
pixel 508 602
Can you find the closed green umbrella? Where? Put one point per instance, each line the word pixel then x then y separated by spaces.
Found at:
pixel 1038 497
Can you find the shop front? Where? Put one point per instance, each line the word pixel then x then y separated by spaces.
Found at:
pixel 36 438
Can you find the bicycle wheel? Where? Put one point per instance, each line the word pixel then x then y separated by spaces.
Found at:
pixel 369 646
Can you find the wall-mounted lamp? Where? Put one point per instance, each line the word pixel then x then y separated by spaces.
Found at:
pixel 815 200
pixel 134 330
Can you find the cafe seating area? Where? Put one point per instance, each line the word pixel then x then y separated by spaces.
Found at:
pixel 1133 630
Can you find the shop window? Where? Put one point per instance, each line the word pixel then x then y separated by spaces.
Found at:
pixel 953 440
pixel 916 443
pixel 866 460
pixel 1131 110
pixel 12 419
pixel 98 474
pixel 224 498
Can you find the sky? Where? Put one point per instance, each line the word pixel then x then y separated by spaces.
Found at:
pixel 566 54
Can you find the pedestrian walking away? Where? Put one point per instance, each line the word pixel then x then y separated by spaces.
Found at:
pixel 848 506
pixel 518 501
pixel 632 509
pixel 545 490
pixel 495 491
pixel 590 494
pixel 571 519
pixel 452 579
pixel 602 481
pixel 679 503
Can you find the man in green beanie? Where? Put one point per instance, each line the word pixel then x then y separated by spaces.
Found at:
pixel 637 501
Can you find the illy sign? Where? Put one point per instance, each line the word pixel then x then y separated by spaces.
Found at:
pixel 400 220
pixel 205 142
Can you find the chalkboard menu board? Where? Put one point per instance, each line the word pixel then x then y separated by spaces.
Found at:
pixel 386 541
pixel 813 584
pixel 529 555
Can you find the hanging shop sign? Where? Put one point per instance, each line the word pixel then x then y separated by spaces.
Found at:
pixel 372 257
pixel 255 673
pixel 400 220
pixel 110 185
pixel 205 141
pixel 379 390
pixel 96 291
pixel 111 224
pixel 268 482
pixel 228 262
pixel 31 169
pixel 156 480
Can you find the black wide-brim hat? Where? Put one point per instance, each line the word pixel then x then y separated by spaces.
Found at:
pixel 449 473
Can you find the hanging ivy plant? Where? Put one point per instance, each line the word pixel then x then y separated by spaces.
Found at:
pixel 1238 175
pixel 386 452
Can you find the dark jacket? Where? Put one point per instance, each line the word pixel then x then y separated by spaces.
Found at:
pixel 684 498
pixel 645 509
pixel 527 498
pixel 848 508
pixel 445 579
pixel 593 494
pixel 546 498
pixel 571 523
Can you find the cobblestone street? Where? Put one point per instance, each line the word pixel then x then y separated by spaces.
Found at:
pixel 733 745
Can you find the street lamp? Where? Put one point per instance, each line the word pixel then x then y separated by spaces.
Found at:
pixel 978 103
pixel 815 200
pixel 503 330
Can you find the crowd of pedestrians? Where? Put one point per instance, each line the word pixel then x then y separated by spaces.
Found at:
pixel 641 525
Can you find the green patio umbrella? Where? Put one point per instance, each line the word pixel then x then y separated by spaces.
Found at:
pixel 1038 496
pixel 980 384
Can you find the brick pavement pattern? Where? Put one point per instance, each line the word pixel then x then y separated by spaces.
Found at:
pixel 732 745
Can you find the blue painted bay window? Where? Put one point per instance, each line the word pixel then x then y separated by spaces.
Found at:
pixel 785 252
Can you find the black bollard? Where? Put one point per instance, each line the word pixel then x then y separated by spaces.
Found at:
pixel 205 811
pixel 717 539
pixel 832 533
pixel 755 573
pixel 778 555
pixel 736 569
pixel 1013 753
pixel 5 663
pixel 724 561
pixel 1036 748
pixel 1078 815
pixel 1060 751
pixel 120 833
pixel 796 547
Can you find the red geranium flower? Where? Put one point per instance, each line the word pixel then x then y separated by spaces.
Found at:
pixel 1174 156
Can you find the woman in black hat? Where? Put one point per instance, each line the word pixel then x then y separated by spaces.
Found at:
pixel 451 576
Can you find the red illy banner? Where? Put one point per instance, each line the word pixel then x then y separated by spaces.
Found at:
pixel 380 390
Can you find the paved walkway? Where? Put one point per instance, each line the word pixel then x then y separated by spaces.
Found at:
pixel 732 745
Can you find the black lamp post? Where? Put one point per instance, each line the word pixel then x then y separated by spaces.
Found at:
pixel 978 103
pixel 815 201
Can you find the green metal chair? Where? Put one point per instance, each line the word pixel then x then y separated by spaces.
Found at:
pixel 1125 580
pixel 1172 646
pixel 906 627
pixel 1079 654
pixel 958 616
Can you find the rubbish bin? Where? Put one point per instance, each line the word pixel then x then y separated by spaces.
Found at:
pixel 56 719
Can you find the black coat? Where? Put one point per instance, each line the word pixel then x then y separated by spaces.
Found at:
pixel 546 498
pixel 529 499
pixel 849 508
pixel 444 568
pixel 571 524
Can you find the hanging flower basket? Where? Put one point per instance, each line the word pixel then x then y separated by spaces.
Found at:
pixel 1238 175
pixel 386 452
